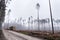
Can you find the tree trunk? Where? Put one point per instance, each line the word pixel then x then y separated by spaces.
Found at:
pixel 1 33
pixel 2 15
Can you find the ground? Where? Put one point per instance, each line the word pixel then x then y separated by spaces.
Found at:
pixel 2 35
pixel 11 35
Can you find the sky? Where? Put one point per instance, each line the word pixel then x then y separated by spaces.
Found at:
pixel 27 8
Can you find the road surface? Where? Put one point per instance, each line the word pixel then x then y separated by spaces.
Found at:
pixel 11 35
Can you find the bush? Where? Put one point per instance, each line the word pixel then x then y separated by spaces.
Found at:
pixel 51 38
pixel 57 39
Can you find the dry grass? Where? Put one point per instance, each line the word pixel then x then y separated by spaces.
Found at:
pixel 41 34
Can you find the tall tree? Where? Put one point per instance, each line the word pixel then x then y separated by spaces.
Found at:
pixel 2 15
pixel 38 7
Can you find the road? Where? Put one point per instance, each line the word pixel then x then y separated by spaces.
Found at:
pixel 11 35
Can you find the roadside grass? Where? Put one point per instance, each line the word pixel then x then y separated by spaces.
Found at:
pixel 43 35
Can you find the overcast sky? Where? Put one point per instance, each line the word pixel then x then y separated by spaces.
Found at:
pixel 27 8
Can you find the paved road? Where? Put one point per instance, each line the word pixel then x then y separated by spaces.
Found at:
pixel 11 35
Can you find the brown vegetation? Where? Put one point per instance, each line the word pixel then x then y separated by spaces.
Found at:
pixel 45 35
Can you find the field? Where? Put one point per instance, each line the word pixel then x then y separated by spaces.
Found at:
pixel 41 34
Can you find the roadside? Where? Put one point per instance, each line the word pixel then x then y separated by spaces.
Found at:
pixel 19 36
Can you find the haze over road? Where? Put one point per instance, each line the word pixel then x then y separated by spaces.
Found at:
pixel 11 35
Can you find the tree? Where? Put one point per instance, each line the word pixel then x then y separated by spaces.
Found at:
pixel 58 21
pixel 20 20
pixel 43 21
pixel 37 7
pixel 48 21
pixel 29 23
pixel 2 15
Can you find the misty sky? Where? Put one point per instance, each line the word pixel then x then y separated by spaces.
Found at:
pixel 27 8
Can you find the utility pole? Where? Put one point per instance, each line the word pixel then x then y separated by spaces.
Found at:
pixel 51 17
pixel 37 7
